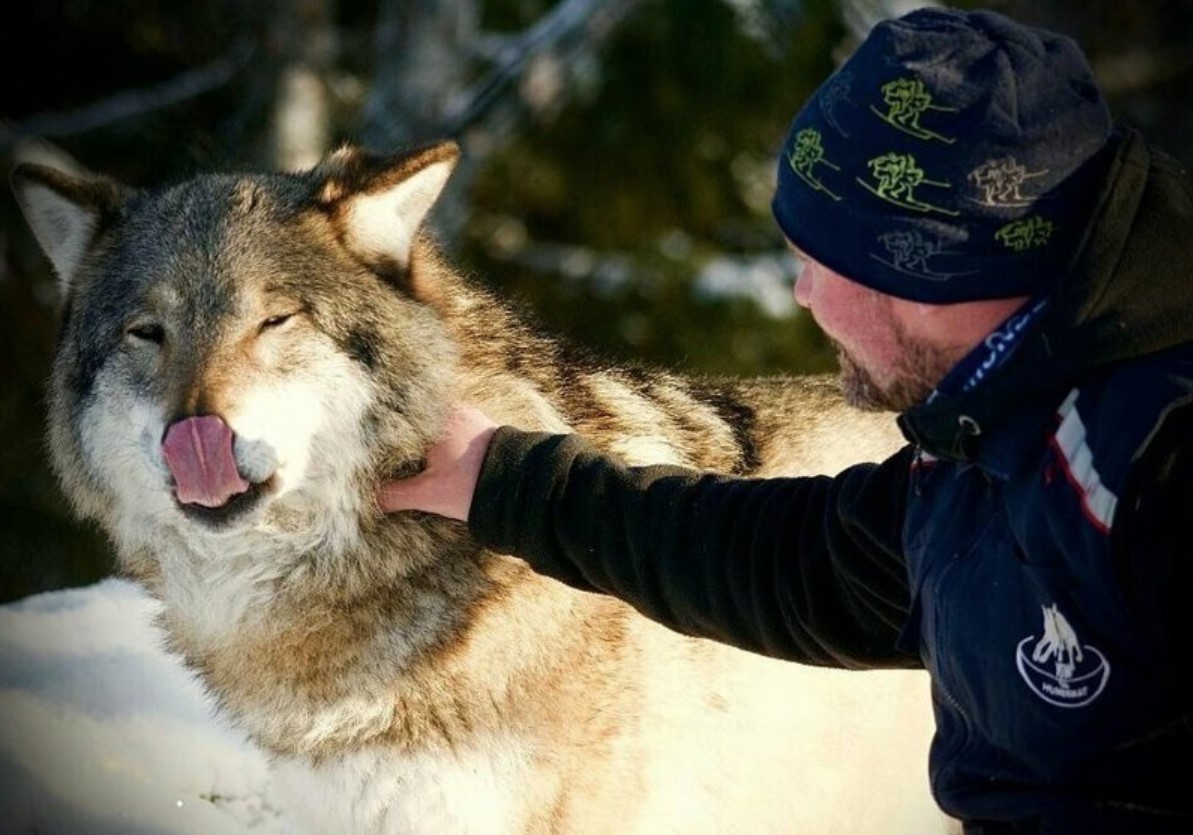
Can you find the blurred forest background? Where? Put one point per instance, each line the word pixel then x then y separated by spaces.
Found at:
pixel 618 158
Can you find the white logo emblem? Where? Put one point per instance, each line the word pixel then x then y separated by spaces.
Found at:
pixel 1058 668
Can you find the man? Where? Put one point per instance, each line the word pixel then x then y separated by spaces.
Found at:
pixel 1012 273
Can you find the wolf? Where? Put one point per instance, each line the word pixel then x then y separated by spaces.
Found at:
pixel 244 357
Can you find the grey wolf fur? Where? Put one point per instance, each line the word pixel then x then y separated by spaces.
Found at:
pixel 401 679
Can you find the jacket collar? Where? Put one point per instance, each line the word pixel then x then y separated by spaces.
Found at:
pixel 1127 294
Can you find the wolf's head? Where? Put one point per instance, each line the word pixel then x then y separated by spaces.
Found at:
pixel 242 353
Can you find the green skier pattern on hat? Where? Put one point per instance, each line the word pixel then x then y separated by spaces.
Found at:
pixel 1025 233
pixel 897 177
pixel 907 100
pixel 806 154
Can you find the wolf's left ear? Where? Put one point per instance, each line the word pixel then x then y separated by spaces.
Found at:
pixel 64 212
pixel 380 202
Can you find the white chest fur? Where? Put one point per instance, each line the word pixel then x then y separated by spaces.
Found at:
pixel 382 792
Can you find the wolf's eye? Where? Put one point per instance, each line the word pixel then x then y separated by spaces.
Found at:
pixel 148 332
pixel 277 321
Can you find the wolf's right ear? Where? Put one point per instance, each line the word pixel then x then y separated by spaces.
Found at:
pixel 64 212
pixel 380 202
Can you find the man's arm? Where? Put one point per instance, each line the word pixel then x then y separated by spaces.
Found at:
pixel 808 569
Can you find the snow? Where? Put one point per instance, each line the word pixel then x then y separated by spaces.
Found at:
pixel 102 732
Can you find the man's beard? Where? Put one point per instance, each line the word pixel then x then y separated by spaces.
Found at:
pixel 918 372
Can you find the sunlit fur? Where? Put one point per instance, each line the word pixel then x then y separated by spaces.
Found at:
pixel 402 679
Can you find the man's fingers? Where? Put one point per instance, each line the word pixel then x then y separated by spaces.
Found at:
pixel 400 495
pixel 453 464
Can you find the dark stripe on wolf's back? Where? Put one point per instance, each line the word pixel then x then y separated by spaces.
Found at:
pixel 645 383
pixel 738 416
pixel 576 368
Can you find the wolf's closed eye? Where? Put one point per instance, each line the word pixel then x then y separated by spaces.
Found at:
pixel 148 333
pixel 277 321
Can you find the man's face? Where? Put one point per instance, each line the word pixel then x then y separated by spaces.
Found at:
pixel 884 363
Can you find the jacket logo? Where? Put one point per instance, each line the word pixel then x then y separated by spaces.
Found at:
pixel 1058 667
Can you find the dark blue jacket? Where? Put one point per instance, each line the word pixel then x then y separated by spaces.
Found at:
pixel 1026 547
pixel 1050 678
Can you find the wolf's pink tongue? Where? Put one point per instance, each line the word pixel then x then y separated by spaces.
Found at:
pixel 198 451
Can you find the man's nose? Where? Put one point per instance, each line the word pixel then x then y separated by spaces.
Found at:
pixel 803 286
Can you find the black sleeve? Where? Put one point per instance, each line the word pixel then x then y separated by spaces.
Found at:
pixel 807 569
pixel 1154 551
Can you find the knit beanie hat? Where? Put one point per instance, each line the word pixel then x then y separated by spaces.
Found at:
pixel 953 157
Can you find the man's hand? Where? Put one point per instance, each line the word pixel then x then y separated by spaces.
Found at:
pixel 446 486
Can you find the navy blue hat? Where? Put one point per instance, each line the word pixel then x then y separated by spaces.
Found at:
pixel 953 157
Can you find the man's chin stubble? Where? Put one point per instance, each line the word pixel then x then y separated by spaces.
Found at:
pixel 861 391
